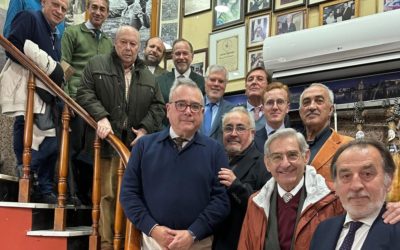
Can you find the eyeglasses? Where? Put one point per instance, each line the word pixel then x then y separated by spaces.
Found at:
pixel 291 156
pixel 194 107
pixel 240 129
pixel 271 103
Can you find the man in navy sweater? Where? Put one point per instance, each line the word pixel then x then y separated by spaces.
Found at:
pixel 170 190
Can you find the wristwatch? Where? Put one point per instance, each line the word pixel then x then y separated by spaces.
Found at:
pixel 193 235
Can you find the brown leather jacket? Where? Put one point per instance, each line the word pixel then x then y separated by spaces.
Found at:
pixel 321 203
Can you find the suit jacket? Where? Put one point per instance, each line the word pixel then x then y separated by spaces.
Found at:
pixel 216 127
pixel 260 123
pixel 166 81
pixel 260 138
pixel 159 71
pixel 380 236
pixel 251 175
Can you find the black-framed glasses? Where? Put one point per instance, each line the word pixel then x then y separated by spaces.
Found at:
pixel 240 129
pixel 291 156
pixel 279 102
pixel 182 105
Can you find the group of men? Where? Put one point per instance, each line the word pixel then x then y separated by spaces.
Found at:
pixel 214 175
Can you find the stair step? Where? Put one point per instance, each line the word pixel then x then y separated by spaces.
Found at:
pixel 69 232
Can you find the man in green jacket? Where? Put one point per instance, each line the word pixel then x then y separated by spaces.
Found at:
pixel 121 94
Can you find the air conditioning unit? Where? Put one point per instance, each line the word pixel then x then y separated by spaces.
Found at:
pixel 358 46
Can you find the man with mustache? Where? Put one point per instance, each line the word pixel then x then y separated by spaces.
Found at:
pixel 154 52
pixel 316 108
pixel 362 171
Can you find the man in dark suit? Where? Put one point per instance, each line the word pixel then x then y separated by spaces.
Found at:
pixel 215 105
pixel 276 106
pixel 153 54
pixel 362 171
pixel 347 12
pixel 182 56
pixel 246 175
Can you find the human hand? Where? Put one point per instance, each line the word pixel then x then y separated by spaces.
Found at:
pixel 182 240
pixel 392 214
pixel 139 133
pixel 104 128
pixel 162 236
pixel 226 177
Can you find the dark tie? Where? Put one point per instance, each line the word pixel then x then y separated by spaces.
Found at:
pixel 208 118
pixel 349 239
pixel 97 33
pixel 287 197
pixel 179 142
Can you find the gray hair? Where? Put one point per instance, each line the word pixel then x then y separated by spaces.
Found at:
pixel 330 92
pixel 242 110
pixel 285 133
pixel 188 83
pixel 217 68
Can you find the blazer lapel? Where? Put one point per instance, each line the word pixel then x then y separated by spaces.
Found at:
pixel 327 150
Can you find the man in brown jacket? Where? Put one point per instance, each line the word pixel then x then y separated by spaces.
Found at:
pixel 286 211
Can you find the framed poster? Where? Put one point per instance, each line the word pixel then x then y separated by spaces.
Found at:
pixel 386 5
pixel 199 64
pixel 257 30
pixel 227 49
pixel 254 6
pixel 227 13
pixel 286 4
pixel 338 11
pixel 315 2
pixel 196 6
pixel 290 21
pixel 169 24
pixel 255 58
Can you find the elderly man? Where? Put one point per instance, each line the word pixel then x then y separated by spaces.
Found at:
pixel 215 105
pixel 316 108
pixel 285 212
pixel 182 56
pixel 153 54
pixel 80 43
pixel 246 173
pixel 276 107
pixel 362 171
pixel 109 93
pixel 170 190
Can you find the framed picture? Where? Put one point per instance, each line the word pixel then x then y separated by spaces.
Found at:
pixel 254 58
pixel 315 2
pixel 198 65
pixel 390 5
pixel 285 4
pixel 290 21
pixel 258 5
pixel 338 11
pixel 227 13
pixel 257 30
pixel 169 25
pixel 196 6
pixel 227 48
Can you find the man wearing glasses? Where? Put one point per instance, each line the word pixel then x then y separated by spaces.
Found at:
pixel 246 175
pixel 170 190
pixel 276 107
pixel 285 212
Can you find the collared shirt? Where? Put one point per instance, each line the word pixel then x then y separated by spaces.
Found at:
pixel 90 26
pixel 294 191
pixel 214 108
pixel 250 108
pixel 151 68
pixel 318 142
pixel 361 233
pixel 174 135
pixel 128 77
pixel 186 74
pixel 269 129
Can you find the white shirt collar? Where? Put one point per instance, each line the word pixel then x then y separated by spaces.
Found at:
pixel 269 129
pixel 367 220
pixel 186 74
pixel 294 191
pixel 174 135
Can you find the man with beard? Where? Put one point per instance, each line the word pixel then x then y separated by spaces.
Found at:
pixel 362 171
pixel 182 56
pixel 154 52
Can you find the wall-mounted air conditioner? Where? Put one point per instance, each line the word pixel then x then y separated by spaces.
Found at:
pixel 362 45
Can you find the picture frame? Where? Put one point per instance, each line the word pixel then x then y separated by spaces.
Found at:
pixel 286 4
pixel 169 28
pixel 338 11
pixel 255 58
pixel 225 48
pixel 315 2
pixel 387 5
pixel 199 64
pixel 254 6
pixel 192 7
pixel 226 14
pixel 258 28
pixel 290 21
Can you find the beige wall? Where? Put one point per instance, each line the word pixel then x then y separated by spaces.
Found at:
pixel 198 27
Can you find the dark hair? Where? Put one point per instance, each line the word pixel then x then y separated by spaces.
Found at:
pixel 269 79
pixel 182 40
pixel 387 161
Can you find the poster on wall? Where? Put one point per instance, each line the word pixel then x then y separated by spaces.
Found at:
pixel 169 24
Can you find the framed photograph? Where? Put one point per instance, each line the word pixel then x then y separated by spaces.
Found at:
pixel 169 24
pixel 338 11
pixel 255 58
pixel 227 13
pixel 257 30
pixel 290 21
pixel 390 5
pixel 227 48
pixel 258 5
pixel 196 6
pixel 285 4
pixel 315 2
